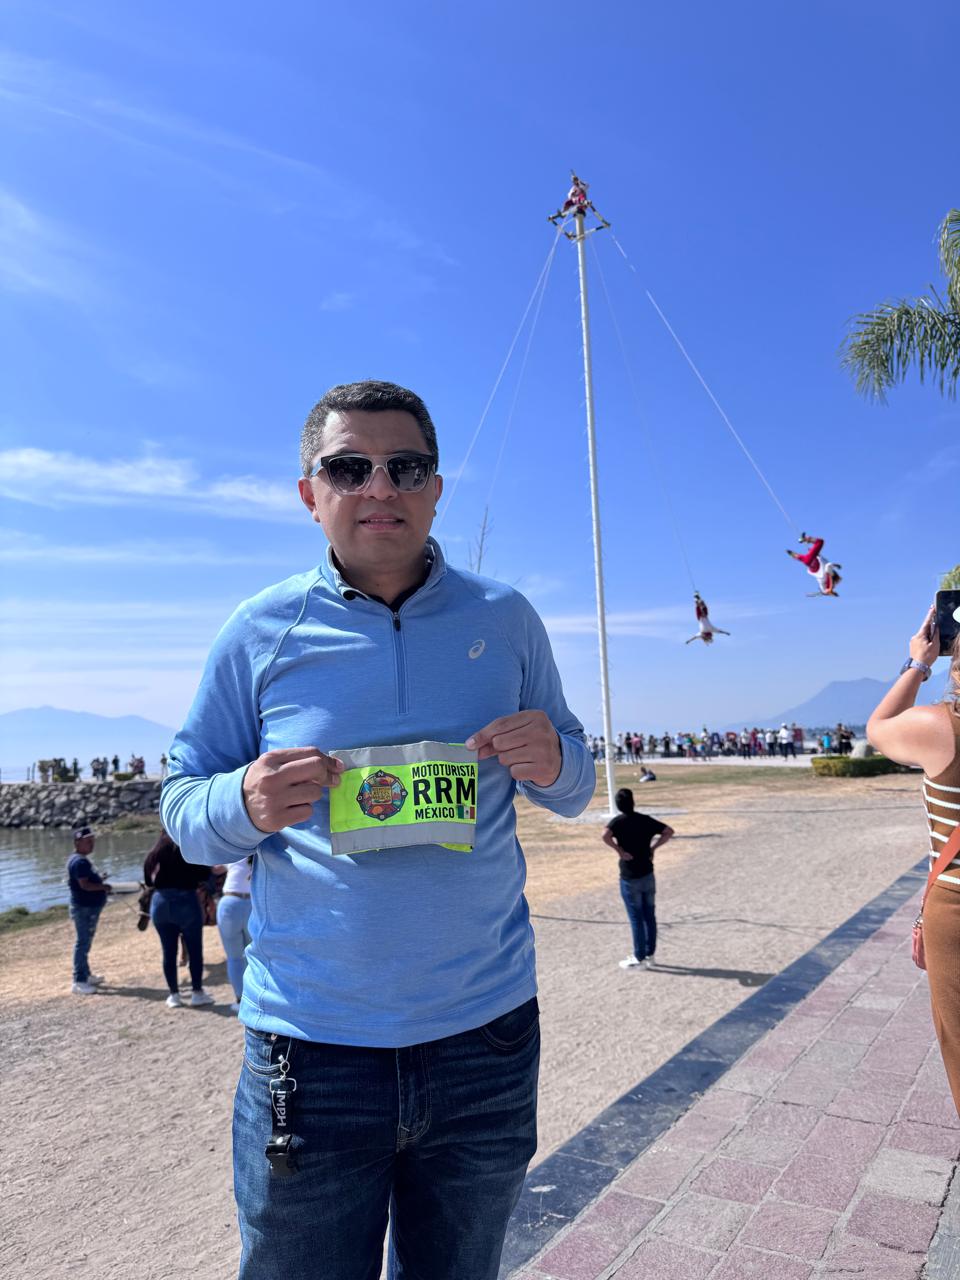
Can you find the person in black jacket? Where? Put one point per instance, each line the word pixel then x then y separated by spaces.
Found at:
pixel 175 911
pixel 635 836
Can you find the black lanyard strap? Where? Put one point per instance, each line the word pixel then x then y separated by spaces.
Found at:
pixel 282 1089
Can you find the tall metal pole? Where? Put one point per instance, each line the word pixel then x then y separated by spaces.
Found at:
pixel 580 219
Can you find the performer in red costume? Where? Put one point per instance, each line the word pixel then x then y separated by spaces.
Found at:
pixel 706 630
pixel 819 566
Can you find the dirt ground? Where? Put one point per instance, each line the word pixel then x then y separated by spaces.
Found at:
pixel 116 1152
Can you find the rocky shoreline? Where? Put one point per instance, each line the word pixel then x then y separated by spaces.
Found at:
pixel 63 804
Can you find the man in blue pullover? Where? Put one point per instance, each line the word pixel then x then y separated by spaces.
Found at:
pixel 389 1000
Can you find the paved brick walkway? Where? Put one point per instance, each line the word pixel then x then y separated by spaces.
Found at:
pixel 826 1150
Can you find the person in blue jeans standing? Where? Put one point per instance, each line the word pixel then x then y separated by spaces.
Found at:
pixel 233 921
pixel 88 896
pixel 175 911
pixel 635 836
pixel 389 999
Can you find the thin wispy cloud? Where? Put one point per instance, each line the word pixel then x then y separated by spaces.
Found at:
pixel 45 478
pixel 22 548
pixel 48 88
pixel 663 623
pixel 339 300
pixel 132 656
pixel 39 256
pixel 914 486
pixel 105 614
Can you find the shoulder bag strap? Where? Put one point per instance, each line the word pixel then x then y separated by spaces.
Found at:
pixel 947 854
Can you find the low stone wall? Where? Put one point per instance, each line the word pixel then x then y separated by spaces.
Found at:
pixel 65 804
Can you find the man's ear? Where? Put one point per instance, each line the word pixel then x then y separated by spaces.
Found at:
pixel 307 497
pixel 438 481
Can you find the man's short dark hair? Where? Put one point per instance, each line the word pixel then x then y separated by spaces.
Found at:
pixel 624 800
pixel 372 397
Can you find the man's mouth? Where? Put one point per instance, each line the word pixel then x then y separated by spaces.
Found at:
pixel 380 522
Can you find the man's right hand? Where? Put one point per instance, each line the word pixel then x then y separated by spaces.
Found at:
pixel 280 788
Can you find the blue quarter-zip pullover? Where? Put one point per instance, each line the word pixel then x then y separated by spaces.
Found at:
pixel 394 947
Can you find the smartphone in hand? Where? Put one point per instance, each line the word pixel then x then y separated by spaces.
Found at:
pixel 948 619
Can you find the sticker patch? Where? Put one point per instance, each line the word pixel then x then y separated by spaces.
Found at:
pixel 381 796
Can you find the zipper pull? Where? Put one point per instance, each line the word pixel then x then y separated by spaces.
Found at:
pixel 396 622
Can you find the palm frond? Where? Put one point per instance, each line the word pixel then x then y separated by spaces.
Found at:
pixel 888 342
pixel 950 256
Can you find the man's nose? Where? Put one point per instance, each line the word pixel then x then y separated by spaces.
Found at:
pixel 381 486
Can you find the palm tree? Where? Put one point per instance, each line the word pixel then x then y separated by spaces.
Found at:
pixel 923 331
pixel 951 581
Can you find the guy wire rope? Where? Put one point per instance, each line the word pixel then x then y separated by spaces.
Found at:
pixel 523 367
pixel 544 271
pixel 703 382
pixel 647 435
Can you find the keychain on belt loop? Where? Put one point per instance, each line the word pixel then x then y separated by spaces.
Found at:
pixel 278 1149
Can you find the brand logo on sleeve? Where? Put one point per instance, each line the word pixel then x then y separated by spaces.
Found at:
pixel 381 796
pixel 476 648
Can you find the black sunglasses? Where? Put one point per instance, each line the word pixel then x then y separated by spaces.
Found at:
pixel 351 473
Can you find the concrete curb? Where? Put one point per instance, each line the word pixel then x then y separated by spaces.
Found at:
pixel 576 1174
pixel 943 1259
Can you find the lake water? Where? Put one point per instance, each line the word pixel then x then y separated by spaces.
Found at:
pixel 33 864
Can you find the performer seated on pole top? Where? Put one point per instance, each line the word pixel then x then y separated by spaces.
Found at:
pixel 822 569
pixel 576 201
pixel 707 630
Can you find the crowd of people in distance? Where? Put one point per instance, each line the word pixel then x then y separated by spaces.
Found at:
pixel 784 742
pixel 101 768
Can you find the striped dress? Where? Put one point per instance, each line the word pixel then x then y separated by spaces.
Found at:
pixel 942 803
pixel 941 915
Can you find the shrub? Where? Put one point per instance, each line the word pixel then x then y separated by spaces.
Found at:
pixel 852 767
pixel 17 918
pixel 123 777
pixel 136 822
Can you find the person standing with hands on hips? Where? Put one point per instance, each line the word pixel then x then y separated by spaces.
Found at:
pixel 365 728
pixel 634 836
pixel 929 738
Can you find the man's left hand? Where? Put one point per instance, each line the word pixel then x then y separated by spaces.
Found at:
pixel 526 743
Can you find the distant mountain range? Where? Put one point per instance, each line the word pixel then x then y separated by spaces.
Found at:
pixel 848 701
pixel 36 733
pixel 39 733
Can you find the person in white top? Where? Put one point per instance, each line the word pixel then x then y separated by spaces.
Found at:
pixel 233 919
pixel 706 630
pixel 824 570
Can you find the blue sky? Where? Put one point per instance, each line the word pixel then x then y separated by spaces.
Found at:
pixel 210 214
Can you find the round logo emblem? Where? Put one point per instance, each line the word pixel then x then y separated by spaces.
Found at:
pixel 381 796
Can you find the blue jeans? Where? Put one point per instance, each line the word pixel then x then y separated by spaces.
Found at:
pixel 175 912
pixel 438 1134
pixel 85 922
pixel 639 899
pixel 233 916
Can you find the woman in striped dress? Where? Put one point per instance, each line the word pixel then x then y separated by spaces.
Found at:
pixel 929 737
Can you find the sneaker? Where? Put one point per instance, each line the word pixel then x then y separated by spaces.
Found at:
pixel 198 998
pixel 84 989
pixel 95 979
pixel 173 1000
pixel 649 962
pixel 631 962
